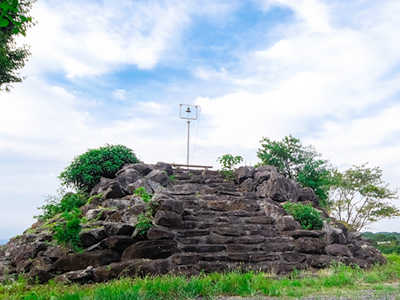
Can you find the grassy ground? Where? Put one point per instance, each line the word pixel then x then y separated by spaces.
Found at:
pixel 338 281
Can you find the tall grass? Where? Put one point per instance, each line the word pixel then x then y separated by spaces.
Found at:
pixel 335 281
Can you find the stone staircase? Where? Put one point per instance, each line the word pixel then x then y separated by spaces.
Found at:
pixel 202 222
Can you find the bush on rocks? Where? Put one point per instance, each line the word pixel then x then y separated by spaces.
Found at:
pixel 63 202
pixel 306 215
pixel 86 169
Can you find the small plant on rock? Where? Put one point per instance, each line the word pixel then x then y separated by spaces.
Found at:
pixel 60 203
pixel 228 162
pixel 143 224
pixel 306 215
pixel 68 232
pixel 141 192
pixel 173 178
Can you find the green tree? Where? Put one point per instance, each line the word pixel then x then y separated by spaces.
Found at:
pixel 86 169
pixel 298 162
pixel 14 20
pixel 359 197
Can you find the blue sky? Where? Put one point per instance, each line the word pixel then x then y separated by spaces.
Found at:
pixel 327 72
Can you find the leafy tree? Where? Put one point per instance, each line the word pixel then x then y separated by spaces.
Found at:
pixel 297 162
pixel 358 197
pixel 86 169
pixel 14 20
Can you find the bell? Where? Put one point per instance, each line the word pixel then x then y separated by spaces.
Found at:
pixel 188 110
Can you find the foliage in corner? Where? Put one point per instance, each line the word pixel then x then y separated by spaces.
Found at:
pixel 14 20
pixel 358 197
pixel 228 162
pixel 60 203
pixel 306 215
pixel 298 162
pixel 85 170
pixel 68 233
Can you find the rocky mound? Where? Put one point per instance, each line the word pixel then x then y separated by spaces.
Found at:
pixel 201 222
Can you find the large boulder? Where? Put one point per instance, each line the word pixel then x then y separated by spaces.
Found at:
pixel 110 188
pixel 278 188
pixel 81 261
pixel 153 249
pixel 159 176
pixel 307 194
pixel 243 173
pixel 263 173
pixel 338 250
pixel 164 167
pixel 127 177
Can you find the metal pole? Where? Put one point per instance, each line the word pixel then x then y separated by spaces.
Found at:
pixel 187 156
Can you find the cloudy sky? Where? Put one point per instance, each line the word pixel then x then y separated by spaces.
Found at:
pixel 327 72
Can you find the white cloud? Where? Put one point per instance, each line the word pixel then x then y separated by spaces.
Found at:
pixel 119 94
pixel 97 37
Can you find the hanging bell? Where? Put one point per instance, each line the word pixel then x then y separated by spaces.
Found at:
pixel 188 110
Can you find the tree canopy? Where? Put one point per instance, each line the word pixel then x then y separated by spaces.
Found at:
pixel 358 197
pixel 14 20
pixel 297 162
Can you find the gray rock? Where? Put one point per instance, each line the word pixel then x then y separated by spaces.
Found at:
pixel 164 167
pixel 116 203
pixel 119 242
pixel 321 261
pixel 287 223
pixel 159 232
pixel 263 173
pixel 143 182
pixel 309 245
pixel 115 270
pixel 278 188
pixel 249 185
pixel 81 261
pixel 307 194
pixel 274 211
pixel 159 176
pixel 338 250
pixel 153 249
pixel 91 237
pixel 112 229
pixel 127 177
pixel 243 173
pixel 81 276
pixel 130 215
pixel 168 219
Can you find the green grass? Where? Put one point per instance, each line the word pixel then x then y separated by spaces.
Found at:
pixel 337 281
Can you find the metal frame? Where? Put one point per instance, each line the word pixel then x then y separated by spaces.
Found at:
pixel 188 122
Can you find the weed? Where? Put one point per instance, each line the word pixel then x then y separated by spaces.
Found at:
pixel 173 178
pixel 143 224
pixel 68 232
pixel 100 196
pixel 62 202
pixel 228 162
pixel 141 192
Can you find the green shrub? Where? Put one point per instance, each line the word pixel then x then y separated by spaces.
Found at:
pixel 306 215
pixel 63 202
pixel 85 170
pixel 68 232
pixel 228 161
